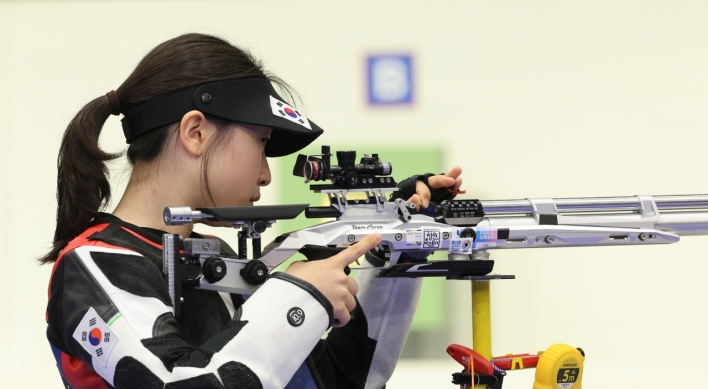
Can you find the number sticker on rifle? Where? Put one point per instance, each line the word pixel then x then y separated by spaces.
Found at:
pixel 486 238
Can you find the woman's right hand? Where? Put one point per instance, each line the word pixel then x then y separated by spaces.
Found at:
pixel 328 277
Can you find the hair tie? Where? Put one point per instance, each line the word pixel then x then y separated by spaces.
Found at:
pixel 115 103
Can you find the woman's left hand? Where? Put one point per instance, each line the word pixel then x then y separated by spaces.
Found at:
pixel 450 180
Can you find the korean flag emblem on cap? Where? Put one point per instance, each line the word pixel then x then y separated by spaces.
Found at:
pixel 285 111
pixel 95 336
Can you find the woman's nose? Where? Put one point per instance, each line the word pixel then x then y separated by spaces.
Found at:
pixel 264 178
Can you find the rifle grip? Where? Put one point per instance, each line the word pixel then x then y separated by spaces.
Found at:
pixel 314 253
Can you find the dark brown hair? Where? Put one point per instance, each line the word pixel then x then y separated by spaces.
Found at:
pixel 186 61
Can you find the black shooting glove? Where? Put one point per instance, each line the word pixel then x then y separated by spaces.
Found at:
pixel 406 189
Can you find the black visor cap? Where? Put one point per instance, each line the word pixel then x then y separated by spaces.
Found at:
pixel 248 100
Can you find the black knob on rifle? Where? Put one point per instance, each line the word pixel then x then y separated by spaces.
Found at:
pixel 352 178
pixel 255 272
pixel 214 269
pixel 260 226
pixel 468 233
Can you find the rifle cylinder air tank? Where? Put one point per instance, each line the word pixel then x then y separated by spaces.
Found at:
pixel 597 204
pixel 682 215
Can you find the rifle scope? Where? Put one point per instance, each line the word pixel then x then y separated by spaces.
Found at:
pixel 313 168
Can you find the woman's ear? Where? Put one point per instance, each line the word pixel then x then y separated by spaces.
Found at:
pixel 194 131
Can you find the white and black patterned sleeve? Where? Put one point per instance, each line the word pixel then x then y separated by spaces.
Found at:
pixel 111 308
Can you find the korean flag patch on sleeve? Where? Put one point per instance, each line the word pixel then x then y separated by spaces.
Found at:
pixel 285 111
pixel 94 335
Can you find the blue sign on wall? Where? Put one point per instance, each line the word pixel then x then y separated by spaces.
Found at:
pixel 390 79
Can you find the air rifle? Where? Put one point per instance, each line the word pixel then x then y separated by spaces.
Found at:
pixel 466 229
pixel 463 228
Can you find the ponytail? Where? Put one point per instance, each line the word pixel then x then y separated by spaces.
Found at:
pixel 82 181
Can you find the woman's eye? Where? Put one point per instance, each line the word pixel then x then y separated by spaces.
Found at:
pixel 265 140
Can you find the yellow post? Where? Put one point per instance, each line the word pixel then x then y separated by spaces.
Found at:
pixel 481 321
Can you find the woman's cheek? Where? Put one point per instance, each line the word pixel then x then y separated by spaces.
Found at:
pixel 224 184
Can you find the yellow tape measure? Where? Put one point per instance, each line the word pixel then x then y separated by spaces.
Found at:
pixel 560 367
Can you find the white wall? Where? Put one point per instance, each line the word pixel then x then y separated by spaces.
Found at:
pixel 533 99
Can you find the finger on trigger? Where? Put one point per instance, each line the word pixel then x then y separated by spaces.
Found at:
pixel 355 251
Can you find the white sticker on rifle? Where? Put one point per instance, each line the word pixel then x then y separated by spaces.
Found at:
pixel 414 237
pixel 285 111
pixel 461 245
pixel 431 238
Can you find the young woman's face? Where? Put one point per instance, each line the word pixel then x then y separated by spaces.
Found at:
pixel 239 168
